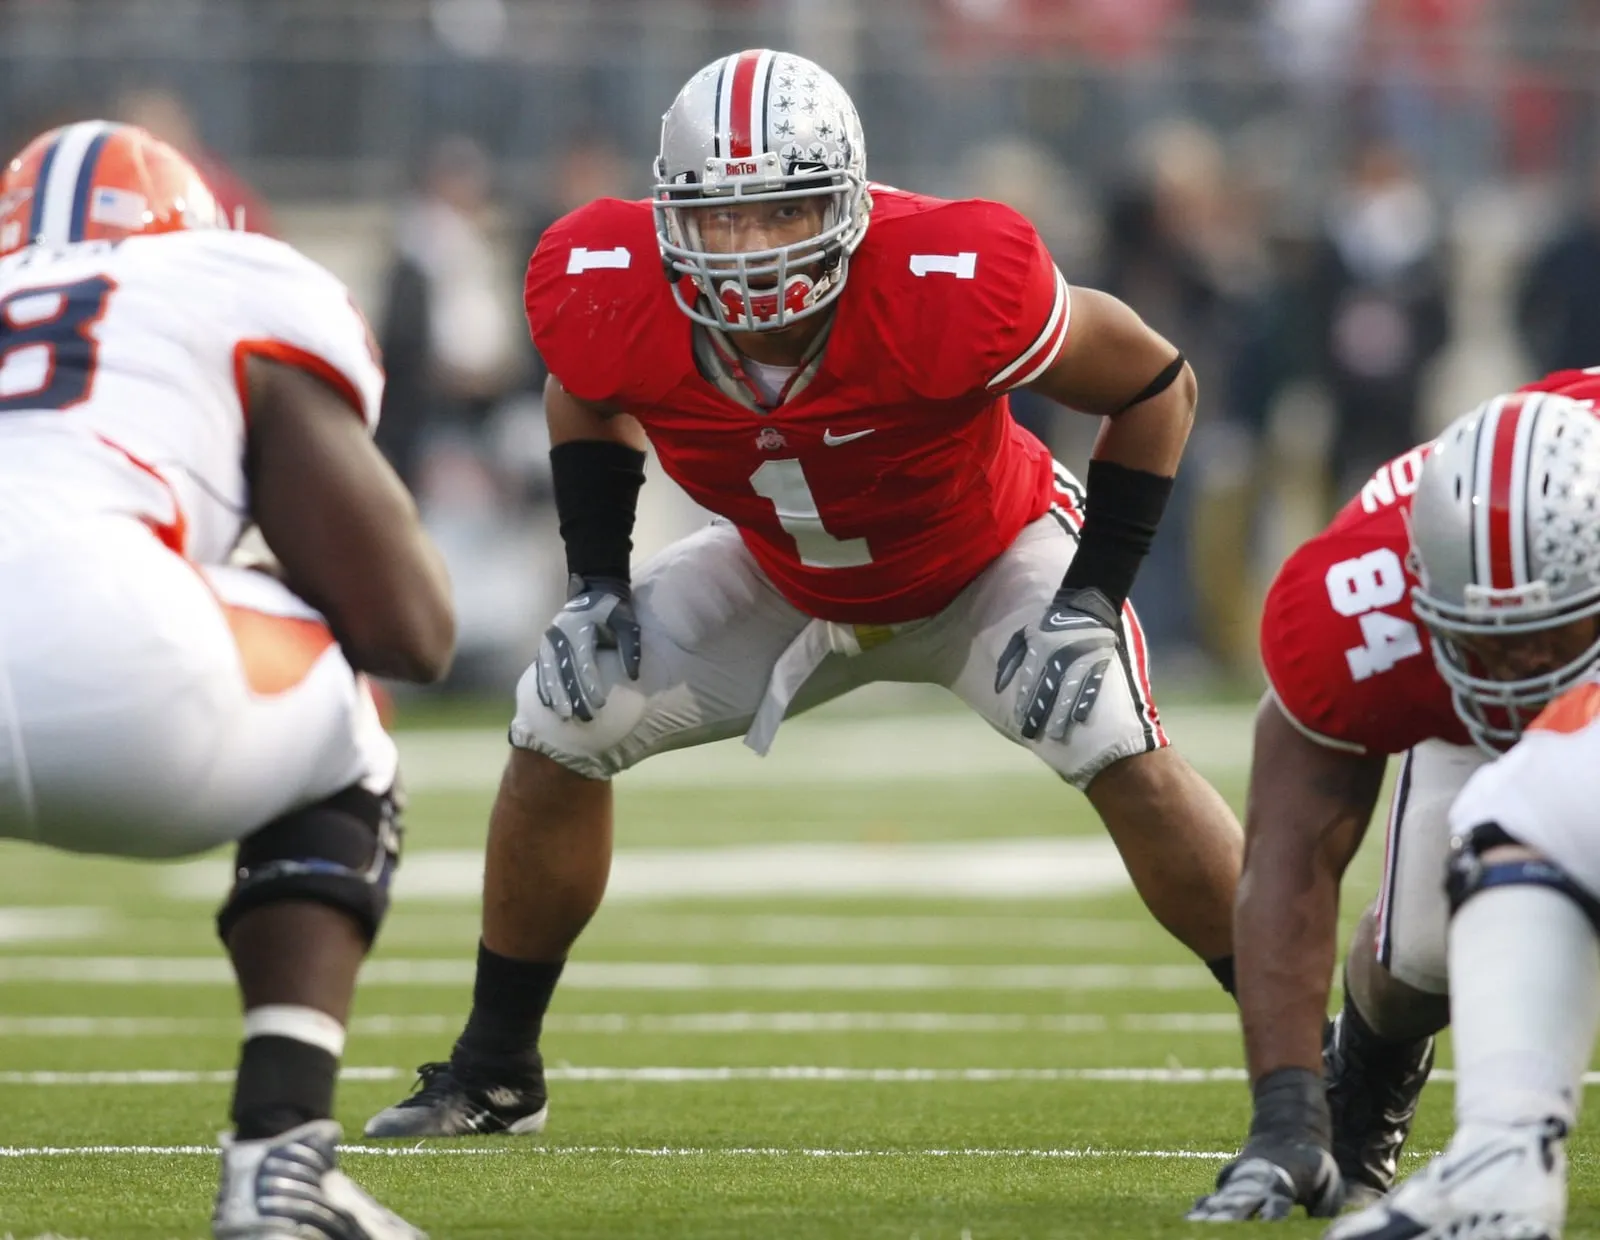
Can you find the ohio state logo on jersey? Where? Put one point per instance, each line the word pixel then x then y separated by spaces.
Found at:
pixel 771 439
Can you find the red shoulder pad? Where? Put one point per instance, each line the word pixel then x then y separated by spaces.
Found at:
pixel 964 297
pixel 599 307
pixel 1580 385
pixel 1344 653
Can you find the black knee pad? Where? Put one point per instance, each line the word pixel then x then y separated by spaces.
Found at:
pixel 341 852
pixel 1469 873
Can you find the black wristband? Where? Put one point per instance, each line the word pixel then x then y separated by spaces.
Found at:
pixel 1121 513
pixel 597 485
pixel 1291 1104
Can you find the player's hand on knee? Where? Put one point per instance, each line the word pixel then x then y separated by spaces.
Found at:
pixel 1269 1179
pixel 1060 663
pixel 599 615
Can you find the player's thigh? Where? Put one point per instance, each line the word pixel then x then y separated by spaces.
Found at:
pixel 1413 913
pixel 142 722
pixel 711 629
pixel 294 705
pixel 1544 791
pixel 1012 593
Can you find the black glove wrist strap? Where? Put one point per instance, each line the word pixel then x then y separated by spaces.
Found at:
pixel 1291 1104
pixel 597 485
pixel 1091 602
pixel 1121 513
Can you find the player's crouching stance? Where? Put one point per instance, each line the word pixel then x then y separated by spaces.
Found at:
pixel 884 518
pixel 1511 594
pixel 1353 680
pixel 158 394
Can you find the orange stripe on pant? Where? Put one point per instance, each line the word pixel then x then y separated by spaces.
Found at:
pixel 277 652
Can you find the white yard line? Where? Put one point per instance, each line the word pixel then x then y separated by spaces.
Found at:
pixel 43 925
pixel 642 976
pixel 623 1151
pixel 927 747
pixel 718 1075
pixel 1012 868
pixel 114 1028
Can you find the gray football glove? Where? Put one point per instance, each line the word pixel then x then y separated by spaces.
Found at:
pixel 1270 1178
pixel 598 616
pixel 1062 661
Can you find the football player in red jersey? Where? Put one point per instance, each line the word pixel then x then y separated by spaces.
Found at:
pixel 824 363
pixel 1353 677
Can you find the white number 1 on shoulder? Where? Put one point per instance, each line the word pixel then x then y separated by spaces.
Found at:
pixel 784 483
pixel 963 266
pixel 582 260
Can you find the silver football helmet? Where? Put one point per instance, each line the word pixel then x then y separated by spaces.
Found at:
pixel 768 125
pixel 1505 526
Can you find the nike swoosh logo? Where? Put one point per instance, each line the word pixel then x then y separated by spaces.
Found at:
pixel 1058 621
pixel 833 441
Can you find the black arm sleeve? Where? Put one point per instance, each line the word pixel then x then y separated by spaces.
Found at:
pixel 1123 509
pixel 597 486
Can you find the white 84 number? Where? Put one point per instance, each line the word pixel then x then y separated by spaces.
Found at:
pixel 1360 588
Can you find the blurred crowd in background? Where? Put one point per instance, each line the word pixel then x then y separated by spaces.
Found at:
pixel 1356 217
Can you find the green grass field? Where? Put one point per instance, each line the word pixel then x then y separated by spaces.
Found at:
pixel 885 983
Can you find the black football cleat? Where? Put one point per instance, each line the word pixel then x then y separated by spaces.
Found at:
pixel 453 1100
pixel 1373 1088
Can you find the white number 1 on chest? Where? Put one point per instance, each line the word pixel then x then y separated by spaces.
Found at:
pixel 784 483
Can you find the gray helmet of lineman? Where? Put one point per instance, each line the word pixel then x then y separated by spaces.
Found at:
pixel 770 126
pixel 1505 527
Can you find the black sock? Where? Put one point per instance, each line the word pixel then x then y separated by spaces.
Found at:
pixel 509 1000
pixel 1222 969
pixel 281 1084
pixel 1365 1041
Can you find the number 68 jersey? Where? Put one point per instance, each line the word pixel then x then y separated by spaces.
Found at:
pixel 123 378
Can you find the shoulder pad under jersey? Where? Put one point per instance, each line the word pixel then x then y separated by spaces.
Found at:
pixel 1580 385
pixel 280 305
pixel 1344 653
pixel 599 306
pixel 962 295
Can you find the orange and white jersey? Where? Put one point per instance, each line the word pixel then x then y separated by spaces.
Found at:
pixel 122 378
pixel 1542 791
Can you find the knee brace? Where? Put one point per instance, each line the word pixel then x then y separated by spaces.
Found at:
pixel 341 852
pixel 1469 873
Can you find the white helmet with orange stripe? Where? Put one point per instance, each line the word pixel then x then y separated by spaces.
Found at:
pixel 759 131
pixel 99 181
pixel 1505 525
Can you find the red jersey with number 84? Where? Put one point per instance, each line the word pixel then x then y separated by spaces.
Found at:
pixel 880 489
pixel 1345 655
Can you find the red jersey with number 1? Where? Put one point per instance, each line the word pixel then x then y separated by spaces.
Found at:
pixel 877 491
pixel 1345 655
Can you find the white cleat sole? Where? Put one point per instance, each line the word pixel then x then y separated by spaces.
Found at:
pixel 529 1125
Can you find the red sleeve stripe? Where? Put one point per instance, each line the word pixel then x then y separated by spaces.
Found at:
pixel 1038 356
